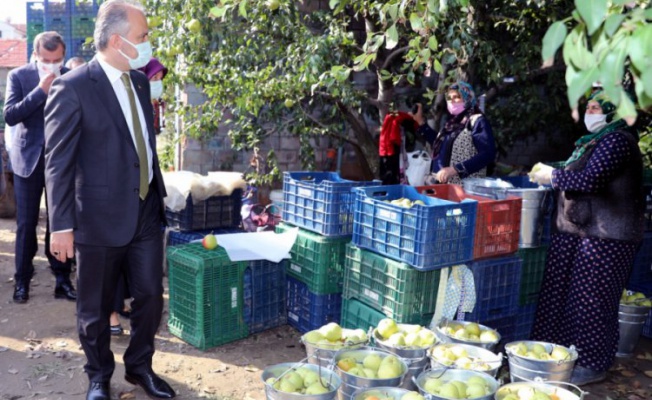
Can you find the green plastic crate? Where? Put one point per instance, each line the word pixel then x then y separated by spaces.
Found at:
pixel 206 296
pixel 398 290
pixel 357 315
pixel 317 261
pixel 534 263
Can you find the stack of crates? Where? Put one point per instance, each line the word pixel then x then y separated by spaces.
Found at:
pixel 320 205
pixel 640 279
pixel 393 264
pixel 74 20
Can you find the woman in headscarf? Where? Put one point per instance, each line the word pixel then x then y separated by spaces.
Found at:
pixel 598 228
pixel 465 146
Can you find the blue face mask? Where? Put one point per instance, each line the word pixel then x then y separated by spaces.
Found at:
pixel 144 54
pixel 156 89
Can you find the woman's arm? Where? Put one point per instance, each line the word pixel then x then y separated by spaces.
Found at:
pixel 483 140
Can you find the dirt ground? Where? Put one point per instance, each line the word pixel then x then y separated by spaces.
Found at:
pixel 40 356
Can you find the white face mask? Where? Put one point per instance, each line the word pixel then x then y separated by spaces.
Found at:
pixel 595 122
pixel 156 89
pixel 50 68
pixel 144 51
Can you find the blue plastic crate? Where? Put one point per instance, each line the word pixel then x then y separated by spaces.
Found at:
pixel 176 238
pixel 35 12
pixel 524 321
pixel 437 234
pixel 642 268
pixel 85 7
pixel 497 284
pixel 308 311
pixel 506 327
pixel 264 293
pixel 321 202
pixel 212 213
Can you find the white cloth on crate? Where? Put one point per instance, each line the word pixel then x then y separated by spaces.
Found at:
pixel 459 297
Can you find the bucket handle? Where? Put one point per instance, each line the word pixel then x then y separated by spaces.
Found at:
pixel 577 388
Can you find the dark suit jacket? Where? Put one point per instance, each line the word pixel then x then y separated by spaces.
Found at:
pixel 24 106
pixel 91 163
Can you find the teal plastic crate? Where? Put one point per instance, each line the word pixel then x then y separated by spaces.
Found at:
pixel 357 315
pixel 392 287
pixel 317 261
pixel 532 267
pixel 206 296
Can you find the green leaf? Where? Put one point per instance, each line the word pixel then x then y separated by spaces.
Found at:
pixel 416 22
pixel 580 83
pixel 432 6
pixel 639 48
pixel 646 78
pixel 612 23
pixel 553 38
pixel 644 101
pixel 612 67
pixel 438 67
pixel 333 3
pixel 242 10
pixel 393 11
pixel 391 37
pixel 464 3
pixel 218 12
pixel 592 12
pixel 432 43
pixel 626 109
pixel 579 53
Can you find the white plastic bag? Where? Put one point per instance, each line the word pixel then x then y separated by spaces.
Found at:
pixel 418 167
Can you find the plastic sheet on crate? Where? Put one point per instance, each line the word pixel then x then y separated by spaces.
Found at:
pixel 532 269
pixel 496 286
pixel 212 213
pixel 392 287
pixel 307 310
pixel 357 315
pixel 317 261
pixel 320 202
pixel 642 268
pixel 497 223
pixel 206 296
pixel 265 291
pixel 430 236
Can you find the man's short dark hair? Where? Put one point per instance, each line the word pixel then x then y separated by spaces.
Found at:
pixel 49 41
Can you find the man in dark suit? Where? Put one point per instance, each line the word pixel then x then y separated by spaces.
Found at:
pixel 27 92
pixel 105 190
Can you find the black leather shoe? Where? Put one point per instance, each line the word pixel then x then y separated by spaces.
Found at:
pixel 21 293
pixel 65 290
pixel 154 387
pixel 98 391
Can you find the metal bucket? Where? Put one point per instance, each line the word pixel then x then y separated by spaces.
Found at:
pixel 383 392
pixel 417 358
pixel 278 370
pixel 483 359
pixel 527 369
pixel 323 354
pixel 447 375
pixel 352 383
pixel 631 319
pixel 444 337
pixel 545 387
pixel 533 206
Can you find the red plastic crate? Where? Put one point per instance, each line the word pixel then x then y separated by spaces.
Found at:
pixel 497 223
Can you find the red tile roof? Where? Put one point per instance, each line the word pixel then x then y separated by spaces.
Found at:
pixel 13 53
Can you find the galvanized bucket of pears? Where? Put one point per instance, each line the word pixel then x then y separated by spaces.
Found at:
pixel 384 393
pixel 367 367
pixel 530 359
pixel 287 381
pixel 539 390
pixel 633 311
pixel 464 356
pixel 322 344
pixel 447 384
pixel 467 332
pixel 410 342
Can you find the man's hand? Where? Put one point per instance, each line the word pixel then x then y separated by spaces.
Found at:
pixel 62 245
pixel 418 116
pixel 46 82
pixel 446 174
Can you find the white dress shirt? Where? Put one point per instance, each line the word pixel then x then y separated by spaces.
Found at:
pixel 114 75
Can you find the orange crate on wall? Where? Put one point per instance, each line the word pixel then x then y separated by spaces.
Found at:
pixel 498 222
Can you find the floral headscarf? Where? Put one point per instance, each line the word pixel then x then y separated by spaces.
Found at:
pixel 466 90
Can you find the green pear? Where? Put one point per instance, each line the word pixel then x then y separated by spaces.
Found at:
pixel 294 378
pixel 449 391
pixel 472 329
pixel 476 380
pixel 432 385
pixel 317 388
pixel 372 361
pixel 412 395
pixel 461 387
pixel 331 331
pixel 474 390
pixel 538 348
pixel 559 353
pixel 387 327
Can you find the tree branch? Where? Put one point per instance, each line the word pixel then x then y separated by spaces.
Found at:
pixel 390 58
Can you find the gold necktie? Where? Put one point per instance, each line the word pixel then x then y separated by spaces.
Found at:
pixel 140 141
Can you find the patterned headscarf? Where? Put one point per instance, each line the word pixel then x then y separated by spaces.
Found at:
pixel 466 90
pixel 587 142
